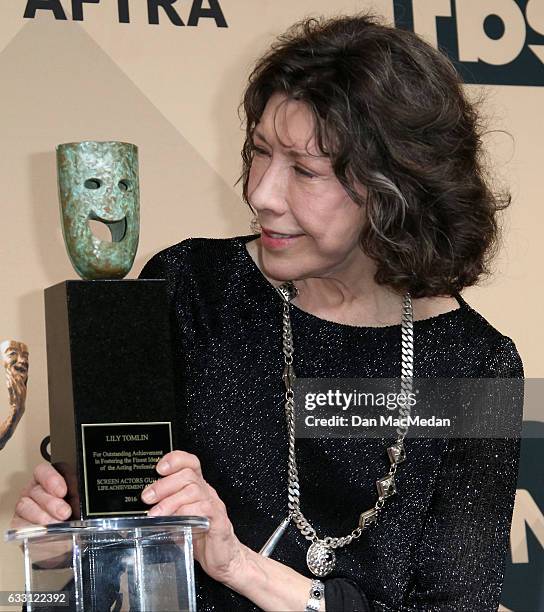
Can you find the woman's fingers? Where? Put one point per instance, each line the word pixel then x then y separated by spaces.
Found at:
pixel 176 461
pixel 169 485
pixel 28 511
pixel 50 504
pixel 181 470
pixel 183 489
pixel 190 494
pixel 41 500
pixel 51 481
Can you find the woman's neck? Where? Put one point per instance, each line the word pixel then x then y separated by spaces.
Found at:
pixel 348 298
pixel 330 299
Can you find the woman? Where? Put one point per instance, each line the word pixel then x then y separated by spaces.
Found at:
pixel 361 164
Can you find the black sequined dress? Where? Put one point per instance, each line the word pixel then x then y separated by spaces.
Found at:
pixel 441 541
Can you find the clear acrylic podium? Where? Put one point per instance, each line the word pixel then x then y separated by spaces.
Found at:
pixel 115 564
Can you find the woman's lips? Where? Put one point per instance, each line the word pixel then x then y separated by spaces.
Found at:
pixel 277 240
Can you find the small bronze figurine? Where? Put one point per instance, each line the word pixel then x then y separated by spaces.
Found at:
pixel 14 356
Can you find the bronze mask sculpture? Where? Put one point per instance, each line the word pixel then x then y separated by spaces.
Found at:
pixel 99 181
pixel 14 356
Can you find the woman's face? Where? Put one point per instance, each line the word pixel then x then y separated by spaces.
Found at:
pixel 310 226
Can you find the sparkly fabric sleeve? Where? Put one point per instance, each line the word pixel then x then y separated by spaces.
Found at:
pixel 344 595
pixel 160 267
pixel 460 560
pixel 154 268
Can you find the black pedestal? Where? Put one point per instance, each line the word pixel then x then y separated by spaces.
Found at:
pixel 111 397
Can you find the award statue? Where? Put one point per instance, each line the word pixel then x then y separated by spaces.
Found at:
pixel 112 409
pixel 98 181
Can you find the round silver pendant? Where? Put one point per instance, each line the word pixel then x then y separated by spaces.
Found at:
pixel 320 558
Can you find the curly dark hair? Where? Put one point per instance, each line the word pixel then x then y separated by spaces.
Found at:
pixel 391 113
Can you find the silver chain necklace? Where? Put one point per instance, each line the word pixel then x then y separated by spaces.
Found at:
pixel 321 558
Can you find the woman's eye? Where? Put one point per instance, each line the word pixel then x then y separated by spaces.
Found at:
pixel 258 151
pixel 302 172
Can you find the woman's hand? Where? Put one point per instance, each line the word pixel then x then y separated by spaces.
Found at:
pixel 41 501
pixel 183 491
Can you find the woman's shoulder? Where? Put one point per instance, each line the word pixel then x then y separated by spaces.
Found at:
pixel 209 264
pixel 191 254
pixel 497 351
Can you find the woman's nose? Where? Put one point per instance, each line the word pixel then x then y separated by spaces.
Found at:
pixel 269 191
